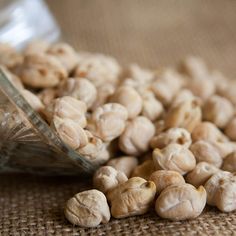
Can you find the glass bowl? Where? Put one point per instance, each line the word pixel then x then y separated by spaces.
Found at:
pixel 28 144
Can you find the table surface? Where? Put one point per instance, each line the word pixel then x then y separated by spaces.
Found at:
pixel 152 33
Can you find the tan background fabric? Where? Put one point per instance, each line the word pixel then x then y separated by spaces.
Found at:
pixel 152 33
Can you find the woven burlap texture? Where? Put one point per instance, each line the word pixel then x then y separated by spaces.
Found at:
pixel 153 33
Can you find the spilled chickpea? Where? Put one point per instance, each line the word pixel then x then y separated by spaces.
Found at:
pixel 166 137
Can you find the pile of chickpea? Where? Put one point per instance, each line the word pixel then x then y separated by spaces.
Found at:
pixel 164 137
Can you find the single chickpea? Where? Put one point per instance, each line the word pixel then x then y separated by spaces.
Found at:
pixel 229 163
pixel 205 151
pixel 81 89
pixel 125 164
pixel 65 54
pixel 104 92
pixel 47 95
pixel 136 136
pixel 194 67
pixel 130 99
pixel 174 157
pixel 212 111
pixel 166 86
pixel 201 173
pixel 165 178
pixel 209 132
pixel 70 132
pixel 95 151
pixel 181 202
pixel 221 191
pixel 108 121
pixel 134 197
pixel 41 71
pixel 9 56
pixel 184 115
pixel 88 209
pixel 201 87
pixel 230 129
pixel 152 107
pixel 144 170
pixel 67 107
pixel 173 135
pixel 107 178
pixel 99 69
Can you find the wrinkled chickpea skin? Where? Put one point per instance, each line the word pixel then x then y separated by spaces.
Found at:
pixel 181 202
pixel 184 115
pixel 174 135
pixel 201 173
pixel 165 178
pixel 134 197
pixel 130 99
pixel 221 191
pixel 174 157
pixel 87 209
pixel 107 178
pixel 136 136
pixel 108 121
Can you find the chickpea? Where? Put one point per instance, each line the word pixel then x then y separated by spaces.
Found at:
pixel 134 197
pixel 209 132
pixel 65 54
pixel 194 67
pixel 174 135
pixel 141 75
pixel 184 115
pixel 201 173
pixel 9 56
pixel 95 151
pixel 174 157
pixel 104 92
pixel 70 132
pixel 88 209
pixel 230 129
pixel 167 85
pixel 160 126
pixel 108 121
pixel 81 89
pixel 181 96
pixel 99 69
pixel 107 178
pixel 130 99
pixel 33 100
pixel 41 71
pixel 165 178
pixel 152 108
pixel 212 111
pixel 205 151
pixel 47 95
pixel 144 170
pixel 181 202
pixel 229 163
pixel 221 191
pixel 125 164
pixel 67 107
pixel 137 135
pixel 201 87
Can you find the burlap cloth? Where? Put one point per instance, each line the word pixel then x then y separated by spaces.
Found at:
pixel 152 33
